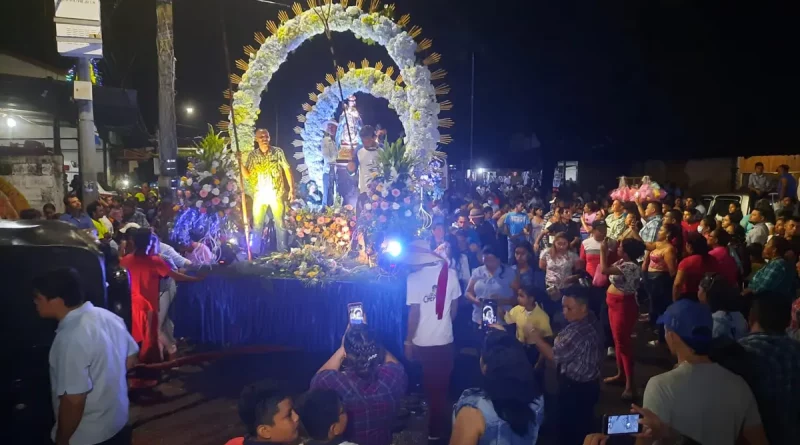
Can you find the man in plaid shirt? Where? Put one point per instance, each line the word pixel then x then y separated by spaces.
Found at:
pixel 371 386
pixel 775 364
pixel 578 354
pixel 778 275
pixel 651 219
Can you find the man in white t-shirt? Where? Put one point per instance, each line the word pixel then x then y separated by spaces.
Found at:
pixel 699 398
pixel 366 159
pixel 432 297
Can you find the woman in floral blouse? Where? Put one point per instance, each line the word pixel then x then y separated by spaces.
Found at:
pixel 561 266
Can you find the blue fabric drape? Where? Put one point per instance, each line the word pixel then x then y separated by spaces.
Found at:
pixel 233 310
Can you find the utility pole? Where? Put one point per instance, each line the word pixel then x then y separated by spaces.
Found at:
pixel 167 137
pixel 87 150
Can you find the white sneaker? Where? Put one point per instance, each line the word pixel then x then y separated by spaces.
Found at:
pixel 611 352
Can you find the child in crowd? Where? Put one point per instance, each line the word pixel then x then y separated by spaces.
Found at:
pixel 268 414
pixel 690 222
pixel 324 417
pixel 526 315
pixel 755 251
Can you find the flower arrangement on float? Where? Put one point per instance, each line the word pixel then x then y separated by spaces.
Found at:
pixel 394 201
pixel 208 194
pixel 308 263
pixel 330 230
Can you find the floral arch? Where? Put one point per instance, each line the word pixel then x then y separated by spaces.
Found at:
pixel 370 80
pixel 422 106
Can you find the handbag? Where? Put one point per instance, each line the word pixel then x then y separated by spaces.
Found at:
pixel 600 279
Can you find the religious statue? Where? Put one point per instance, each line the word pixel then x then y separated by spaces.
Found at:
pixel 350 123
pixel 270 177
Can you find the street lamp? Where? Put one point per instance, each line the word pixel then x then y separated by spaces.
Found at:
pixel 189 110
pixel 11 122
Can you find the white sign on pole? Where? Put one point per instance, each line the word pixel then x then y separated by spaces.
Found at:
pixel 78 31
pixel 82 90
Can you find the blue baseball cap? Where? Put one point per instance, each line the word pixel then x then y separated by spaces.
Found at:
pixel 689 319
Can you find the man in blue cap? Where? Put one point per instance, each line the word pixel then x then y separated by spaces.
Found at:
pixel 699 398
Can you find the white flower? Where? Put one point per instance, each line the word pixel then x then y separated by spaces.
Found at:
pixel 395 206
pixel 215 191
pixel 313 239
pixel 189 181
pixel 215 164
pixel 385 192
pixel 415 104
pixel 408 213
pixel 225 200
pixel 199 204
pixel 367 206
pixel 207 187
pixel 233 204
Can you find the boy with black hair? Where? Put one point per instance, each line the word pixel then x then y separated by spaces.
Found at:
pixel 324 417
pixel 268 414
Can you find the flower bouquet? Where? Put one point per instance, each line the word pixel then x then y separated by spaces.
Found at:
pixel 330 230
pixel 308 263
pixel 208 194
pixel 394 199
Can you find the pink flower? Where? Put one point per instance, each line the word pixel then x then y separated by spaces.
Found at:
pixel 202 210
pixel 348 207
pixel 352 223
pixel 215 201
pixel 203 193
pixel 384 205
pixel 395 193
pixel 382 218
pixel 188 193
pixel 321 220
pixel 230 186
pixel 407 200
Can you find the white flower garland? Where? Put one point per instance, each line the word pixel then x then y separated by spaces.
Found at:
pixel 422 134
pixel 364 80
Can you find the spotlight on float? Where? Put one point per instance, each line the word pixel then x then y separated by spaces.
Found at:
pixel 394 248
pixel 481 171
pixel 11 122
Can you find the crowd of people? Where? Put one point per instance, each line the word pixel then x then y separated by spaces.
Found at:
pixel 568 280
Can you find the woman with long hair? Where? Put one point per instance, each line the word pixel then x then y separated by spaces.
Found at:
pixel 146 269
pixel 561 266
pixel 524 269
pixel 371 383
pixel 537 224
pixel 693 267
pixel 508 407
pixel 623 310
pixel 661 266
pixel 492 281
pixel 456 259
pixel 591 213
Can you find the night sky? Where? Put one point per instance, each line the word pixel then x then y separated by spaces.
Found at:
pixel 653 79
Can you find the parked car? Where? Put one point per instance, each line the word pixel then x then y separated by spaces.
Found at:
pixel 717 205
pixel 27 249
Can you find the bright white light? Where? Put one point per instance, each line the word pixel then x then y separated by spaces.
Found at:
pixel 233 242
pixel 189 110
pixel 481 170
pixel 125 183
pixel 11 122
pixel 394 248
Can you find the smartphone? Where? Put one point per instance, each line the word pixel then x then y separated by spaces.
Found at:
pixel 489 312
pixel 356 311
pixel 621 424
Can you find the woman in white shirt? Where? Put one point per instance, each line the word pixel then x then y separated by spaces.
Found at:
pixel 492 281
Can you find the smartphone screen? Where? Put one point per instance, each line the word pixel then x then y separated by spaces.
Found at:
pixel 489 312
pixel 622 424
pixel 356 311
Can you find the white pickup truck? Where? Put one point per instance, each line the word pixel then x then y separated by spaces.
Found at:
pixel 717 205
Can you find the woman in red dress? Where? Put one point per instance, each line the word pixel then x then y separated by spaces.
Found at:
pixel 145 270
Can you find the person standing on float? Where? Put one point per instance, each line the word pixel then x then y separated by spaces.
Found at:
pixel 270 177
